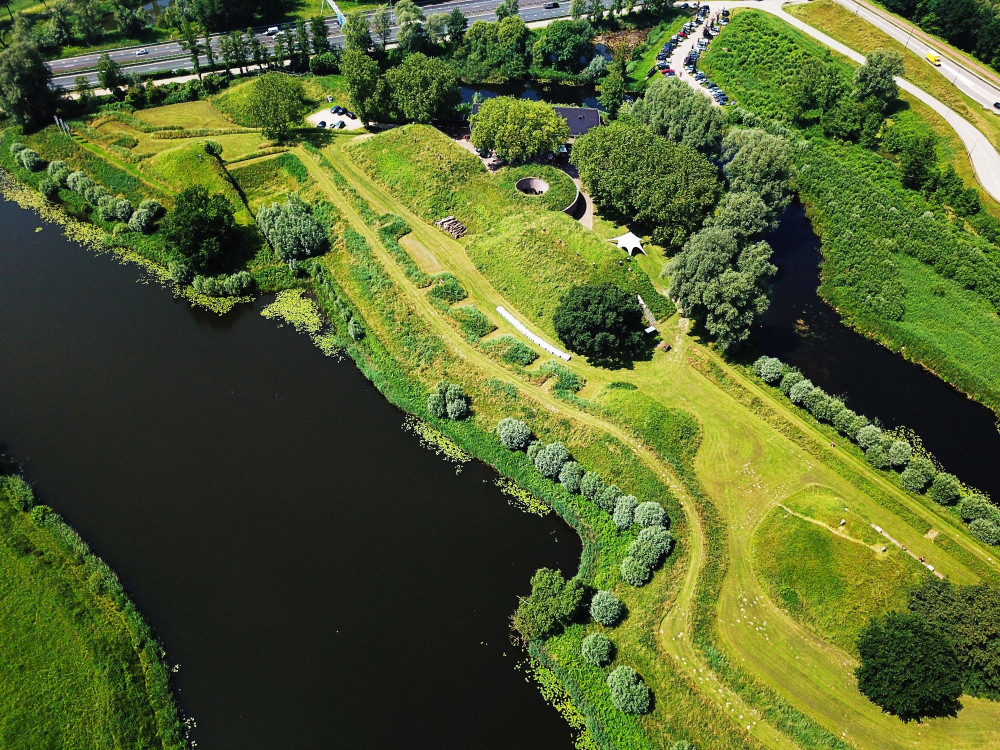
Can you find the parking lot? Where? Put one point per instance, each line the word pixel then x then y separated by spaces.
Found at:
pixel 679 56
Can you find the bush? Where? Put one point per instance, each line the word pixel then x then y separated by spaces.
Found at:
pixel 570 477
pixel 436 405
pixel 913 479
pixel 48 187
pixel 17 147
pixel 30 160
pixel 550 460
pixel 292 229
pixel 78 182
pixel 533 448
pixel 978 506
pixel 789 380
pixel 869 436
pixel 213 148
pixel 607 497
pixel 818 403
pixel 843 422
pixel 40 514
pixel 324 64
pixel 624 512
pixel 634 572
pixel 645 553
pixel 94 194
pixel 144 218
pixel 552 604
pixel 946 489
pixel 650 513
pixel 590 485
pixel 18 492
pixel 606 608
pixel 355 329
pixel 456 401
pixel 800 390
pixel 878 456
pixel 597 649
pixel 514 434
pixel 628 692
pixel 768 369
pixel 180 272
pixel 985 531
pixel 899 453
pixel 657 538
pixel 58 170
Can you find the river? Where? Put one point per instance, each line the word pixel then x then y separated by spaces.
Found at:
pixel 322 579
pixel 802 330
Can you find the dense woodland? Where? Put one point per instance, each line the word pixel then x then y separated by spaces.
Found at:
pixel 971 25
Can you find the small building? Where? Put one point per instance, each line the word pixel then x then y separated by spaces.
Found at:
pixel 579 119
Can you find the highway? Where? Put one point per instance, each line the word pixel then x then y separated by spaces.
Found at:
pixel 171 56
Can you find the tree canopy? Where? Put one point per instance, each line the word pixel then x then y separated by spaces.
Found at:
pixel 908 667
pixel 494 52
pixel 24 85
pixel 275 103
pixel 600 321
pixel 565 46
pixel 643 179
pixel 674 110
pixel 552 604
pixel 722 285
pixel 875 79
pixel 200 228
pixel 518 129
pixel 361 75
pixel 292 229
pixel 423 88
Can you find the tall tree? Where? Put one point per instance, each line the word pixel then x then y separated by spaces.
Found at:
pixel 674 110
pixel 320 35
pixel 613 89
pixel 361 74
pixel 437 28
pixel 110 75
pixel 457 24
pixel 200 229
pixel 357 32
pixel 24 85
pixel 518 129
pixel 209 50
pixel 382 24
pixel 192 45
pixel 577 9
pixel 423 88
pixel 600 321
pixel 275 102
pixel 875 79
pixel 410 19
pixel 507 8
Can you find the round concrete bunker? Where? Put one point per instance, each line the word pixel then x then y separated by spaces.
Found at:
pixel 531 186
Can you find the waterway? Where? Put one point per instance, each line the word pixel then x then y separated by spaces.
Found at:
pixel 554 93
pixel 322 580
pixel 802 330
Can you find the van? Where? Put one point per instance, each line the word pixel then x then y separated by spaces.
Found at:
pixel 272 31
pixel 934 59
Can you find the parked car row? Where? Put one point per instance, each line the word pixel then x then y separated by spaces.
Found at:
pixel 691 61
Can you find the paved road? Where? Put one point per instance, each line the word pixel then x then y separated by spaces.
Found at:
pixel 972 82
pixel 171 56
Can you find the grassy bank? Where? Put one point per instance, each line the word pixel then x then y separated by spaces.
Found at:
pixel 87 672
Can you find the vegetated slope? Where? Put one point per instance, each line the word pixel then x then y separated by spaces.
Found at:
pixel 530 251
pixel 79 668
pixel 898 267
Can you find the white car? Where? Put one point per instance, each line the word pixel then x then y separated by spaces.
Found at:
pixel 140 52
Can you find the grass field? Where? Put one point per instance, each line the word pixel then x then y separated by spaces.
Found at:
pixel 71 672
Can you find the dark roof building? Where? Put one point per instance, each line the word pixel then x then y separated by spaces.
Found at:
pixel 579 119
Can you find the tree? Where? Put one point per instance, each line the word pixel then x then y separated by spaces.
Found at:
pixel 507 8
pixel 292 230
pixel 24 85
pixel 200 228
pixel 876 78
pixel 624 512
pixel 382 24
pixel 639 178
pixel 361 75
pixel 597 649
pixel 514 434
pixel 570 476
pixel 974 506
pixel 600 321
pixel 985 531
pixel 657 539
pixel 552 604
pixel 110 75
pixel 300 47
pixel 320 35
pixel 918 161
pixel 628 692
pixel 908 668
pixel 674 110
pixel 946 489
pixel 760 163
pixel 457 24
pixel 495 52
pixel 448 401
pixel 437 28
pixel 130 21
pixel 550 459
pixel 423 89
pixel 595 11
pixel 723 286
pixel 564 46
pixel 275 103
pixel 634 572
pixel 357 32
pixel 899 453
pixel 650 513
pixel 577 9
pixel 607 497
pixel 768 369
pixel 590 485
pixel 613 89
pixel 410 18
pixel 144 218
pixel 191 44
pixel 518 129
pixel 89 18
pixel 606 608
pixel 869 436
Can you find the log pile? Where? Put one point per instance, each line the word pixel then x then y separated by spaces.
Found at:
pixel 452 226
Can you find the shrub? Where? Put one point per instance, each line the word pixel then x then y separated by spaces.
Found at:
pixel 985 531
pixel 514 434
pixel 48 187
pixel 628 692
pixel 768 369
pixel 800 390
pixel 94 194
pixel 597 649
pixel 30 160
pixel 606 608
pixel 570 476
pixel 946 489
pixel 913 479
pixel 213 148
pixel 645 553
pixel 78 182
pixel 650 513
pixel 899 453
pixel 634 572
pixel 456 402
pixel 789 380
pixel 878 456
pixel 607 497
pixel 553 603
pixel 436 405
pixel 550 459
pixel 292 229
pixel 868 436
pixel 58 170
pixel 533 448
pixel 122 209
pixel 978 506
pixel 40 514
pixel 590 485
pixel 17 147
pixel 106 208
pixel 324 64
pixel 18 492
pixel 817 402
pixel 624 511
pixel 355 329
pixel 144 218
pixel 656 537
pixel 843 422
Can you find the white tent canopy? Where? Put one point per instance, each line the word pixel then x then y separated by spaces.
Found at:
pixel 630 243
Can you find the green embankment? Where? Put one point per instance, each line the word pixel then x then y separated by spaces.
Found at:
pixel 79 667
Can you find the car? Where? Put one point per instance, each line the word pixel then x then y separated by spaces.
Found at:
pixel 550 6
pixel 685 6
pixel 272 31
pixel 996 106
pixel 337 110
pixel 350 115
pixel 140 52
pixel 725 14
pixel 341 125
pixel 321 124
